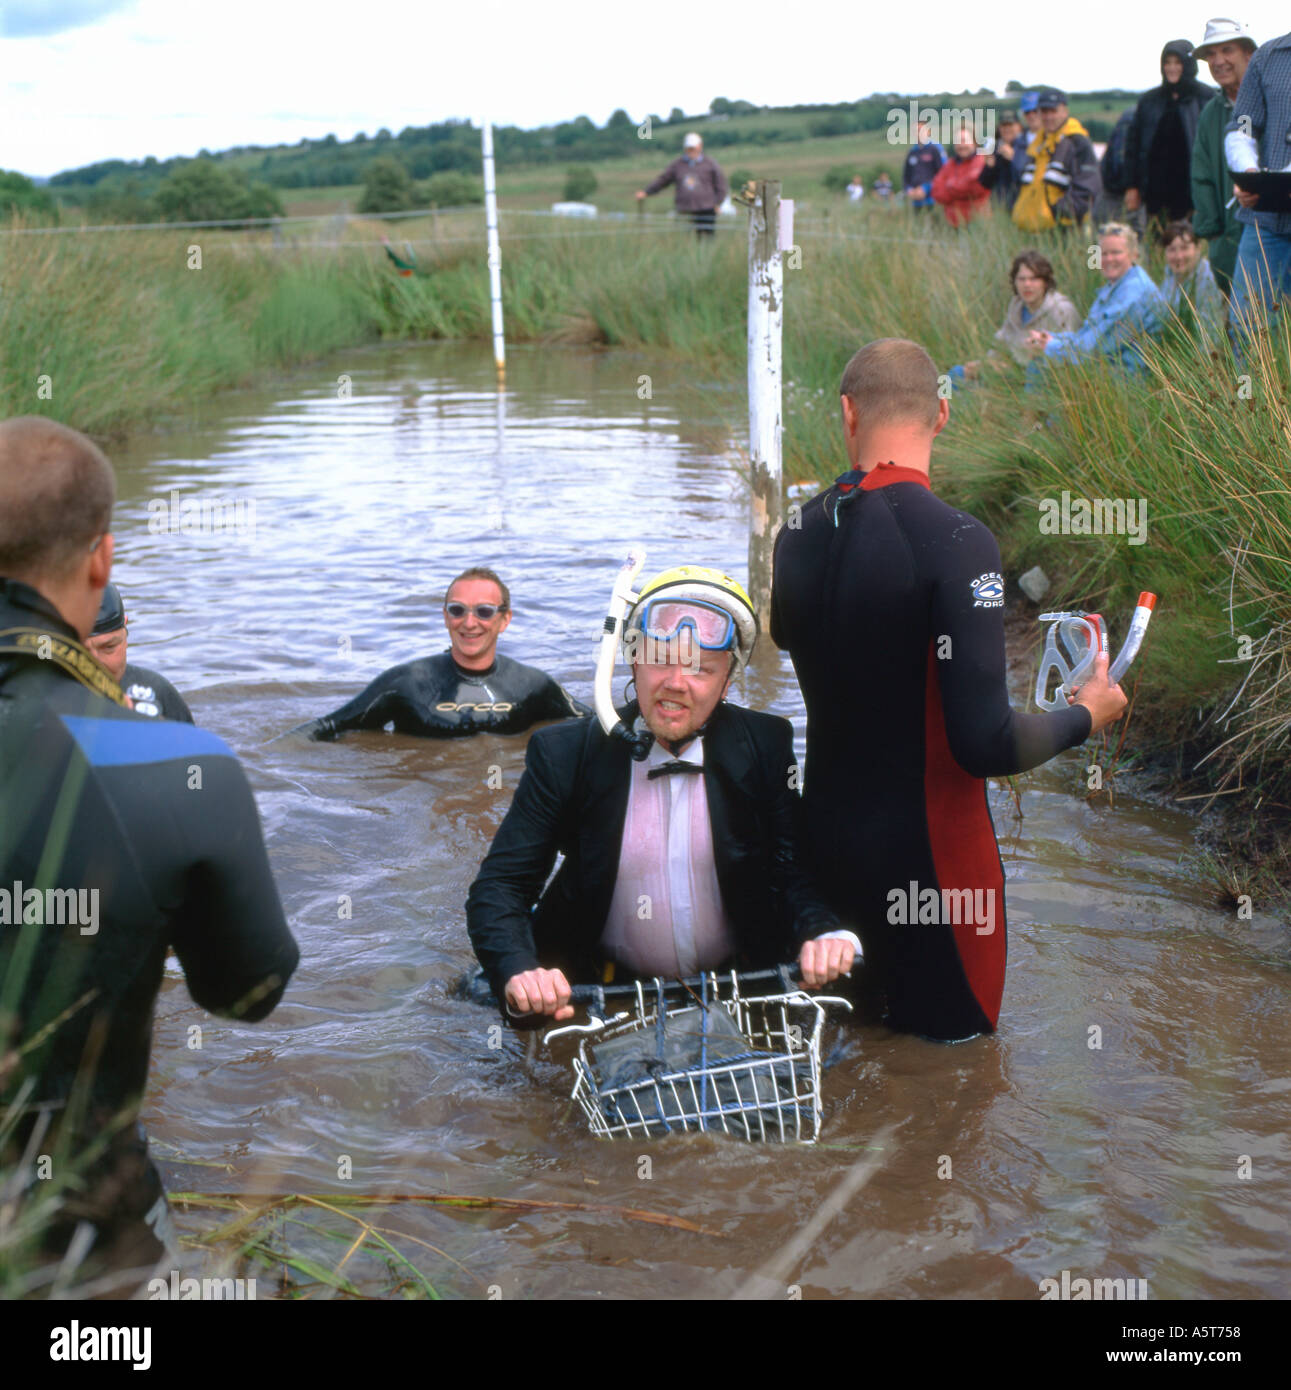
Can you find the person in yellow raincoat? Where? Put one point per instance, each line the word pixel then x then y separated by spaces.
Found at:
pixel 1061 178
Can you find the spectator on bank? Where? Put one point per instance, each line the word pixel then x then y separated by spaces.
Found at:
pixel 1127 309
pixel 958 183
pixel 1001 175
pixel 1226 50
pixel 1110 203
pixel 1035 304
pixel 883 187
pixel 1158 149
pixel 1189 286
pixel 1029 108
pixel 856 189
pixel 1061 180
pixel 921 165
pixel 1257 139
pixel 701 185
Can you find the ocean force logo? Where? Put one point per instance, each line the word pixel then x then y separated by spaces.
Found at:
pixel 988 590
pixel 145 700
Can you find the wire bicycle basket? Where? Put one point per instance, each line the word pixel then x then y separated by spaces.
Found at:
pixel 717 1059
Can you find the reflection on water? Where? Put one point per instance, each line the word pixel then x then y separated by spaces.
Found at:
pixel 1015 1156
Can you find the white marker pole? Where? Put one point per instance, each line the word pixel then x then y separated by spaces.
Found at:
pixel 495 253
pixel 766 317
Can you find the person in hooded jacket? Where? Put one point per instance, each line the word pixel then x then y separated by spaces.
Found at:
pixel 1158 147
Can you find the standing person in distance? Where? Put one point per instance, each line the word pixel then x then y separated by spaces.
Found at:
pixel 1061 179
pixel 1259 137
pixel 1158 148
pixel 999 174
pixel 958 185
pixel 1226 50
pixel 700 182
pixel 920 168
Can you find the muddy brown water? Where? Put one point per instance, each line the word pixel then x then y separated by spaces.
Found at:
pixel 1014 1157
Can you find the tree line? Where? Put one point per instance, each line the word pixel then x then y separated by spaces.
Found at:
pixel 244 181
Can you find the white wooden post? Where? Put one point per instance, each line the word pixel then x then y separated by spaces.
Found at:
pixel 766 321
pixel 495 252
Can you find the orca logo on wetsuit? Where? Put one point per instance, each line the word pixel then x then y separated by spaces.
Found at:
pixel 145 700
pixel 988 590
pixel 448 707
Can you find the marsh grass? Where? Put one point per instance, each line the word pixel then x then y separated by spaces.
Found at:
pixel 342 1245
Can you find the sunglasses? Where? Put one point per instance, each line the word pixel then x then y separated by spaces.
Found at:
pixel 485 612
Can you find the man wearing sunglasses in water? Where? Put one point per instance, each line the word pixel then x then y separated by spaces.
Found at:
pixel 468 689
pixel 683 861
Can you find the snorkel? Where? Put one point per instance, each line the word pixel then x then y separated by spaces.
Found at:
pixel 1076 640
pixel 1134 638
pixel 621 601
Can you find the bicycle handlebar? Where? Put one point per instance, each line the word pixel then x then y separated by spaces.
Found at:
pixel 783 976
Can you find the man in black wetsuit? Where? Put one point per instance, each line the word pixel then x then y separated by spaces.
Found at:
pixel 120 836
pixel 468 689
pixel 149 692
pixel 891 604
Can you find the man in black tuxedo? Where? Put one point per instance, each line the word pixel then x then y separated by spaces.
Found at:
pixel 664 873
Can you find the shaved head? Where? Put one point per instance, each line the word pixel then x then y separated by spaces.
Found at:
pixel 56 496
pixel 892 381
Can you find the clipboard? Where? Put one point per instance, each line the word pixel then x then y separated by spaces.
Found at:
pixel 1274 189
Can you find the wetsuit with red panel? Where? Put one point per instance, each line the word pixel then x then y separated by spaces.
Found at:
pixel 891 604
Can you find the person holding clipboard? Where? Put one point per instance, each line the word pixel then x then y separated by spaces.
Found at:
pixel 1257 143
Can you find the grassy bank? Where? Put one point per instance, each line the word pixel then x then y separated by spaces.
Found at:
pixel 125 331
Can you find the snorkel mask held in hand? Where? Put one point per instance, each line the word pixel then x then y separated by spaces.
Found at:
pixel 677 614
pixel 1075 640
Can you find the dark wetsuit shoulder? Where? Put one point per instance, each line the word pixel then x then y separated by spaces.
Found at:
pixel 153 695
pixel 435 697
pixel 162 828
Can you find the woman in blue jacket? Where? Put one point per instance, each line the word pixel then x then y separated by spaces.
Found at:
pixel 1127 309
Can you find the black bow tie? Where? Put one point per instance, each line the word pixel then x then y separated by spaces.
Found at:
pixel 667 769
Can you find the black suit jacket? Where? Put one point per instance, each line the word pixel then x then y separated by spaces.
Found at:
pixel 573 800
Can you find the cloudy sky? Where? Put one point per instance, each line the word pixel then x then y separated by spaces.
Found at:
pixel 82 80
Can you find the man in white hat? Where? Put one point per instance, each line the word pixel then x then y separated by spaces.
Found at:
pixel 701 184
pixel 1226 49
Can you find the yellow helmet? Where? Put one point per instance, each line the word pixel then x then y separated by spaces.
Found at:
pixel 710 589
